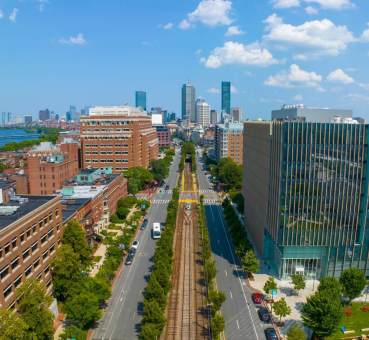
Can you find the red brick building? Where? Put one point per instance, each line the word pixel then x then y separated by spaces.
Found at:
pixel 119 137
pixel 164 136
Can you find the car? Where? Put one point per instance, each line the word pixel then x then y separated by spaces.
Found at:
pixel 257 298
pixel 188 206
pixel 135 244
pixel 130 258
pixel 264 315
pixel 144 224
pixel 167 187
pixel 270 333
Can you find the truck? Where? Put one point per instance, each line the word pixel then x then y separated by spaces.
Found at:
pixel 156 230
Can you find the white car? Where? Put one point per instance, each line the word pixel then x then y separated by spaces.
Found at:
pixel 135 244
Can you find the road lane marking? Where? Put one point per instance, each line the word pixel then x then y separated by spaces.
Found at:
pixel 225 272
pixel 238 325
pixel 230 293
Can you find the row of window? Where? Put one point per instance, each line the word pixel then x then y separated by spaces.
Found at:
pixel 106 145
pixel 106 153
pixel 107 161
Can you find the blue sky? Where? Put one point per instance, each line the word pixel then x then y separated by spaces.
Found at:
pixel 90 52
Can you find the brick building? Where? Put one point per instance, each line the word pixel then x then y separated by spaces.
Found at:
pixel 164 136
pixel 30 231
pixel 119 137
pixel 49 166
pixel 229 141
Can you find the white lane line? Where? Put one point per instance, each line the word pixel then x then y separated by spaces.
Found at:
pixel 230 293
pixel 239 279
pixel 238 325
pixel 225 272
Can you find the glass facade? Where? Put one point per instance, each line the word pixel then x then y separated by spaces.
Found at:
pixel 318 198
pixel 141 99
pixel 226 96
pixel 188 103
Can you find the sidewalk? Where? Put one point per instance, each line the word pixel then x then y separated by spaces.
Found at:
pixel 101 251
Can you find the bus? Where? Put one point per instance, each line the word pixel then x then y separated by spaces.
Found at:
pixel 156 230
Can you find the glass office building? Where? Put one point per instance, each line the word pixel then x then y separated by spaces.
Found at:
pixel 188 102
pixel 316 191
pixel 226 97
pixel 141 100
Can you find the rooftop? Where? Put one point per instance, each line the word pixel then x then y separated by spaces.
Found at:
pixel 116 110
pixel 20 206
pixel 70 206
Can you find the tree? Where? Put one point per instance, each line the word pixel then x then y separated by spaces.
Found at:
pixel 33 307
pixel 83 309
pixel 99 286
pixel 153 314
pixel 216 298
pixel 250 263
pixel 230 174
pixel 298 282
pixel 149 331
pixel 331 286
pixel 270 285
pixel 12 326
pixel 353 282
pixel 160 169
pixel 66 270
pixel 322 313
pixel 217 325
pixel 75 236
pixel 296 332
pixel 71 332
pixel 155 292
pixel 281 308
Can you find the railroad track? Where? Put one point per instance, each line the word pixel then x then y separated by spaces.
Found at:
pixel 185 315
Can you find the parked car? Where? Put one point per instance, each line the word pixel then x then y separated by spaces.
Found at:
pixel 130 257
pixel 257 298
pixel 167 187
pixel 264 315
pixel 135 244
pixel 270 333
pixel 144 224
pixel 188 206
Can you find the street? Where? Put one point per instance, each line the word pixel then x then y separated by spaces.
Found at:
pixel 123 315
pixel 240 314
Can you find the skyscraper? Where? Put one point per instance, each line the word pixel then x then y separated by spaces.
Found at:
pixel 188 102
pixel 44 115
pixel 141 100
pixel 236 114
pixel 213 117
pixel 306 196
pixel 226 97
pixel 202 112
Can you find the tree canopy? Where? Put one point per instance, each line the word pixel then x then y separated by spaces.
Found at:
pixel 230 174
pixel 12 326
pixel 250 262
pixel 270 285
pixel 298 282
pixel 296 332
pixel 138 177
pixel 353 282
pixel 281 308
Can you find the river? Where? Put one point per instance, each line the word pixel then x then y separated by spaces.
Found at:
pixel 15 135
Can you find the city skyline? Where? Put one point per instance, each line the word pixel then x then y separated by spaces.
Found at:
pixel 266 68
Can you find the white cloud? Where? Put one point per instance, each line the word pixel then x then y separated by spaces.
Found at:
pixel 42 4
pixel 298 98
pixel 357 97
pixel 234 89
pixel 286 3
pixel 1 14
pixel 13 15
pixel 339 76
pixel 210 13
pixel 213 90
pixel 365 34
pixel 295 77
pixel 233 30
pixel 167 26
pixel 311 10
pixel 79 39
pixel 236 53
pixel 332 4
pixel 314 38
pixel 184 24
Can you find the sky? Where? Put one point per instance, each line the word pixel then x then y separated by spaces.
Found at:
pixel 56 53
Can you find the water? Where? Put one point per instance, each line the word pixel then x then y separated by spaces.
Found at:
pixel 15 135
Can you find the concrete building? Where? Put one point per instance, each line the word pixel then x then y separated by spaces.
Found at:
pixel 202 112
pixel 27 119
pixel 188 103
pixel 49 166
pixel 236 114
pixel 164 136
pixel 91 198
pixel 44 115
pixel 226 97
pixel 306 196
pixel 30 232
pixel 305 114
pixel 214 117
pixel 229 141
pixel 118 137
pixel 140 100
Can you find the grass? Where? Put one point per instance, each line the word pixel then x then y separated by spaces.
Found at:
pixel 355 322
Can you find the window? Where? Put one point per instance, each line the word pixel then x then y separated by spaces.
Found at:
pixel 28 271
pixel 15 263
pixel 34 246
pixel 36 263
pixel 40 224
pixel 7 249
pixel 44 239
pixel 18 281
pixel 50 233
pixel 4 272
pixel 21 237
pixel 47 269
pixel 26 254
pixel 34 229
pixel 8 291
pixel 52 248
pixel 14 243
pixel 45 255
pixel 28 232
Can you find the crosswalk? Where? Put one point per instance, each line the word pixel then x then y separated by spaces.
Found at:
pixel 208 201
pixel 166 191
pixel 206 191
pixel 160 201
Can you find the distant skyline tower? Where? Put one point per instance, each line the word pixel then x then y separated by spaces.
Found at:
pixel 141 100
pixel 202 112
pixel 226 97
pixel 188 102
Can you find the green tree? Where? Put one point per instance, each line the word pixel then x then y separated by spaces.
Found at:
pixel 270 285
pixel 83 309
pixel 230 174
pixel 281 308
pixel 138 177
pixel 296 332
pixel 160 169
pixel 216 298
pixel 210 270
pixel 250 263
pixel 331 286
pixel 353 282
pixel 75 236
pixel 153 314
pixel 155 292
pixel 71 332
pixel 99 286
pixel 66 270
pixel 12 326
pixel 149 331
pixel 33 307
pixel 298 282
pixel 322 314
pixel 217 325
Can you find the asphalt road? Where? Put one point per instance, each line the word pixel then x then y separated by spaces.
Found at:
pixel 240 314
pixel 123 315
